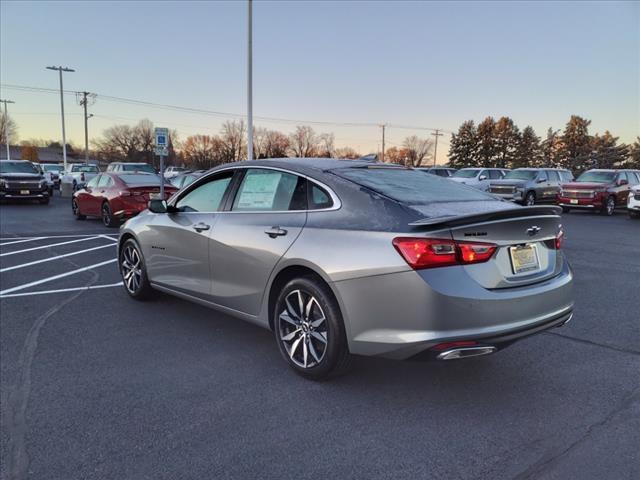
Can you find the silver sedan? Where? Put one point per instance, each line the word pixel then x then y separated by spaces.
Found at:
pixel 342 258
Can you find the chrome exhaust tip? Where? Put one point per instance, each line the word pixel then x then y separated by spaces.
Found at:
pixel 465 352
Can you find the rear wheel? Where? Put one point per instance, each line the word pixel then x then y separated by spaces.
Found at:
pixel 609 207
pixel 633 214
pixel 530 199
pixel 44 201
pixel 133 271
pixel 76 210
pixel 309 330
pixel 566 209
pixel 107 216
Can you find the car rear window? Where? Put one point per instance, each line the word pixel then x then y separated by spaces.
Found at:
pixel 142 179
pixel 138 167
pixel 85 168
pixel 411 186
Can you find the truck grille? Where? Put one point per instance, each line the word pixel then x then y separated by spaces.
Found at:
pixel 578 193
pixel 502 189
pixel 23 185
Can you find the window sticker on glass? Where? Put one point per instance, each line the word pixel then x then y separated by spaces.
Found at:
pixel 258 190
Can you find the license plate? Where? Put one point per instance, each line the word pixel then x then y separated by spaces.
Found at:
pixel 524 259
pixel 573 200
pixel 24 192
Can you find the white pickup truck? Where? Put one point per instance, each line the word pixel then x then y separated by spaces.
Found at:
pixel 78 174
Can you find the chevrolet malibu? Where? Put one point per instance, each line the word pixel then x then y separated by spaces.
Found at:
pixel 342 258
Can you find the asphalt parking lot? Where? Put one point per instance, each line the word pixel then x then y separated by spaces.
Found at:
pixel 96 386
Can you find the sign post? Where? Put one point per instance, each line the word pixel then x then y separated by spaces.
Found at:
pixel 162 150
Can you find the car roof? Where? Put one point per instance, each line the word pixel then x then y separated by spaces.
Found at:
pixel 308 165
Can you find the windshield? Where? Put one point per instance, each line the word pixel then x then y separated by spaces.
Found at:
pixel 18 167
pixel 53 168
pixel 138 167
pixel 521 175
pixel 85 168
pixel 411 186
pixel 142 179
pixel 471 173
pixel 596 177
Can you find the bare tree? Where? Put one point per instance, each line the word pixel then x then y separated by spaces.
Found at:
pixel 276 144
pixel 303 142
pixel 8 126
pixel 347 152
pixel 417 150
pixel 203 151
pixel 234 138
pixel 326 147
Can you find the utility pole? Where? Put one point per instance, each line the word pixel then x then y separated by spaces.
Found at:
pixel 435 149
pixel 383 126
pixel 84 103
pixel 250 81
pixel 6 127
pixel 64 138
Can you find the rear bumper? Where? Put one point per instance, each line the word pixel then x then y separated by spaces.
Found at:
pixel 404 314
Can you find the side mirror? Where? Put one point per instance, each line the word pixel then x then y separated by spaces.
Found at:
pixel 541 180
pixel 482 177
pixel 623 181
pixel 158 206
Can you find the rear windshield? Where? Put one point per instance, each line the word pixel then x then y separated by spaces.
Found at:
pixel 466 173
pixel 18 167
pixel 411 186
pixel 596 177
pixel 142 179
pixel 138 168
pixel 85 168
pixel 521 175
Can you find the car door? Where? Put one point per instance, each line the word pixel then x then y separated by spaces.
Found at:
pixel 264 218
pixel 87 197
pixel 542 186
pixel 622 188
pixel 175 245
pixel 554 184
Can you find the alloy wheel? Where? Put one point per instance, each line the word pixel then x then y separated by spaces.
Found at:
pixel 106 215
pixel 611 205
pixel 302 329
pixel 131 267
pixel 530 200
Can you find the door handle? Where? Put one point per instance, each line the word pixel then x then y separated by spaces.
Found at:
pixel 199 227
pixel 274 232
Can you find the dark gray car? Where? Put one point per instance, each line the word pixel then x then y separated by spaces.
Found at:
pixel 342 257
pixel 529 186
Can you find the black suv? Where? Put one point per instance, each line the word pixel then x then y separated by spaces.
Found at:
pixel 21 179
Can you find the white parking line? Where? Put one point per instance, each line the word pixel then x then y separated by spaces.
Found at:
pixel 56 277
pixel 56 236
pixel 23 240
pixel 50 259
pixel 52 245
pixel 75 289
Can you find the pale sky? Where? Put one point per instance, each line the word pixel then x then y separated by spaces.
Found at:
pixel 428 64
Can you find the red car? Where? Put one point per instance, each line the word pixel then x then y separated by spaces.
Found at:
pixel 117 196
pixel 598 190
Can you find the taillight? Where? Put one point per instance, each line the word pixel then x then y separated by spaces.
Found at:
pixel 436 252
pixel 559 240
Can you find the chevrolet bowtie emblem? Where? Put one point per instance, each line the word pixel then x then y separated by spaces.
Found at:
pixel 533 231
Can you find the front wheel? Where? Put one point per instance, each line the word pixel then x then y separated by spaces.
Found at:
pixel 309 329
pixel 530 199
pixel 133 271
pixel 44 201
pixel 75 207
pixel 566 209
pixel 633 214
pixel 609 206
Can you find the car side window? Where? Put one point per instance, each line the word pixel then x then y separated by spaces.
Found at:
pixel 270 190
pixel 483 173
pixel 495 174
pixel 553 176
pixel 542 176
pixel 318 197
pixel 104 181
pixel 94 182
pixel 634 178
pixel 622 176
pixel 566 176
pixel 206 197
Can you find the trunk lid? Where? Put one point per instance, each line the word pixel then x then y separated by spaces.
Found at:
pixel 516 232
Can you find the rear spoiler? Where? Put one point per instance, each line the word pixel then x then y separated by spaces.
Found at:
pixel 458 220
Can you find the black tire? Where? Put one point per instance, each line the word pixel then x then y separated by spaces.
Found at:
pixel 609 206
pixel 566 210
pixel 107 216
pixel 136 284
pixel 633 214
pixel 51 191
pixel 75 186
pixel 44 201
pixel 529 199
pixel 306 352
pixel 76 210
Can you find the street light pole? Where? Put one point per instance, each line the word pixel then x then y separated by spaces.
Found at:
pixel 250 81
pixel 84 102
pixel 6 127
pixel 64 138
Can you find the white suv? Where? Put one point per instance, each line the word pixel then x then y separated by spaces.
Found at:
pixel 633 202
pixel 479 178
pixel 172 171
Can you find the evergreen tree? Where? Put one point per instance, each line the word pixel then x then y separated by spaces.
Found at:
pixel 551 150
pixel 486 144
pixel 506 138
pixel 633 159
pixel 529 153
pixel 463 149
pixel 606 153
pixel 576 144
